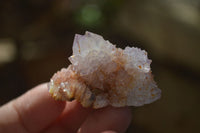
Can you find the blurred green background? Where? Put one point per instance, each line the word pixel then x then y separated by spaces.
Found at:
pixel 36 38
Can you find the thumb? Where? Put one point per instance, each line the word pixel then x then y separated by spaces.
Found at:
pixel 32 112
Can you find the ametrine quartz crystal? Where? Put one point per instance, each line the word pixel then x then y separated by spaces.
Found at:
pixel 102 75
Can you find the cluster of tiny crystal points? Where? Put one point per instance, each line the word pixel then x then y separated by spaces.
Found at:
pixel 101 75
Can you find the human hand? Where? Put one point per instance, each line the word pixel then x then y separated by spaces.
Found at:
pixel 36 111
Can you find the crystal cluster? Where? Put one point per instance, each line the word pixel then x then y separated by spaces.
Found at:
pixel 101 75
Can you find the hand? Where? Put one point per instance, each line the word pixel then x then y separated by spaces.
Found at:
pixel 36 111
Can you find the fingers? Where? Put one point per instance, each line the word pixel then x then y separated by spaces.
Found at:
pixel 36 109
pixel 107 120
pixel 71 119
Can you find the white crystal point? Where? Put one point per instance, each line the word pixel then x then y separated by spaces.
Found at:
pixel 90 41
pixel 101 75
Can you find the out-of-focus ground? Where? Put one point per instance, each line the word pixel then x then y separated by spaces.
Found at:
pixel 36 38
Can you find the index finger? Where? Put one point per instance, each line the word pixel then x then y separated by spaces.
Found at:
pixel 108 120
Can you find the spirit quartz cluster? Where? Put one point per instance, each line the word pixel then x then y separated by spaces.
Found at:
pixel 102 75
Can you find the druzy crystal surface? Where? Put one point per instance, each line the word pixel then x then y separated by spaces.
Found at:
pixel 101 74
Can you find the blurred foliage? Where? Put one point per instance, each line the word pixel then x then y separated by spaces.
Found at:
pixel 89 16
pixel 37 35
